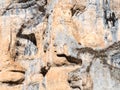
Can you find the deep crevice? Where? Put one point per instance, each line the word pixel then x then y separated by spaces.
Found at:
pixel 71 59
pixel 13 83
pixel 45 69
pixel 18 71
pixel 23 1
pixel 30 37
pixel 77 9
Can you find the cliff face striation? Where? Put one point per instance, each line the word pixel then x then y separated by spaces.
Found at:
pixel 59 45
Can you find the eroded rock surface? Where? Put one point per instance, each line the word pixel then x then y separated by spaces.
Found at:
pixel 99 71
pixel 59 44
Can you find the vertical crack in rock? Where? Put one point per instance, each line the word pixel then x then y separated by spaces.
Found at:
pixel 47 33
pixel 110 20
pixel 10 41
pixel 44 71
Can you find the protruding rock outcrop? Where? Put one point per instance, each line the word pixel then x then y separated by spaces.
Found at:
pixel 12 74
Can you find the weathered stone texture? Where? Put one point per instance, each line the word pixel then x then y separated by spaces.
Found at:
pixel 59 44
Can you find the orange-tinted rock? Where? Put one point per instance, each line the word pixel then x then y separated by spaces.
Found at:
pixel 11 77
pixel 56 78
pixel 34 33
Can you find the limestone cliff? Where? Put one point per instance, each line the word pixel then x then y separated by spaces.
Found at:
pixel 59 45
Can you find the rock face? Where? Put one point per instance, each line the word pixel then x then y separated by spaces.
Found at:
pixel 99 71
pixel 59 45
